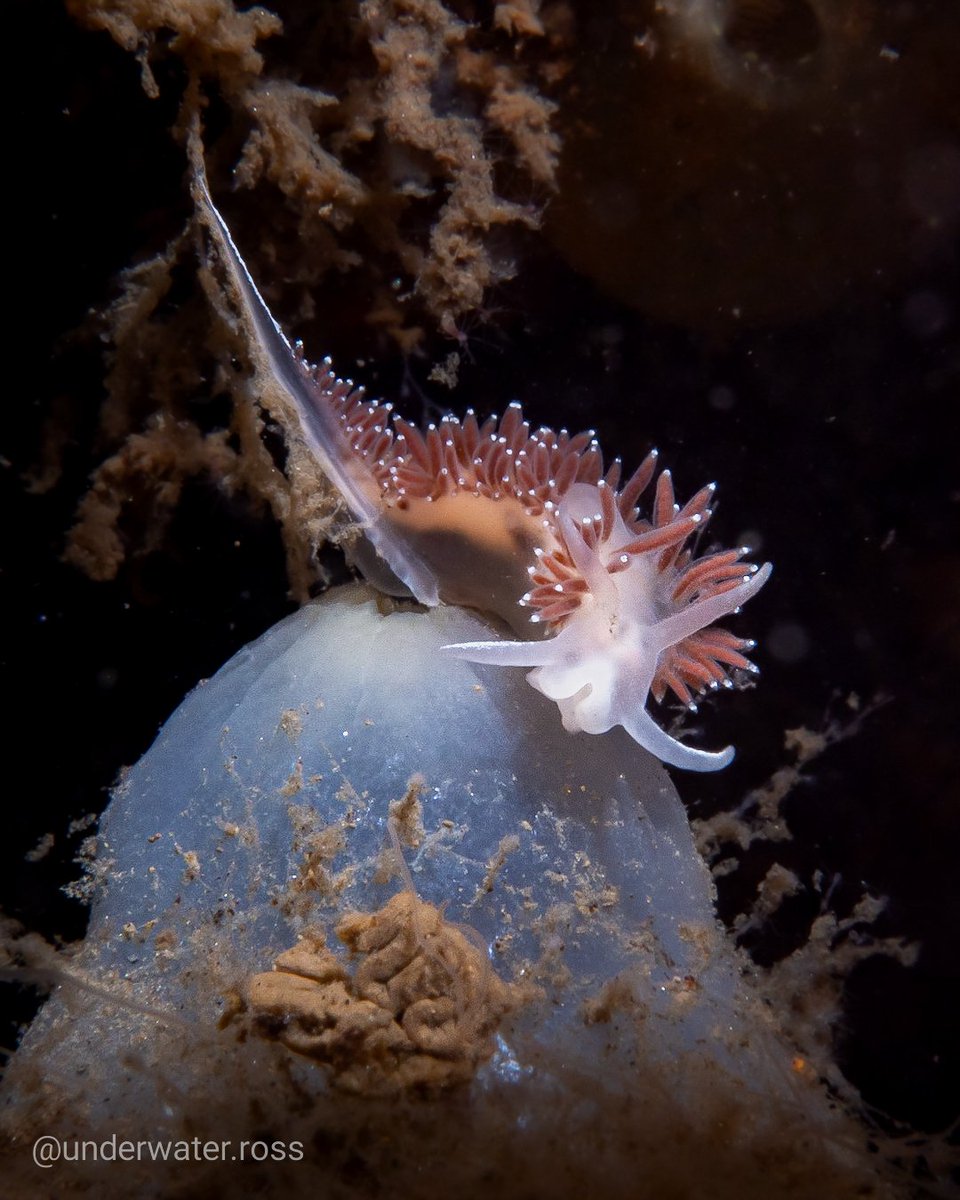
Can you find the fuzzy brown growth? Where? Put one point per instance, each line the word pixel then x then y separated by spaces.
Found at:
pixel 359 148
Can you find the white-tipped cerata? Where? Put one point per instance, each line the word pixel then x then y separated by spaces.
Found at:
pixel 524 524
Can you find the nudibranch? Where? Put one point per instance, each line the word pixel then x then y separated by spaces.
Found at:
pixel 609 606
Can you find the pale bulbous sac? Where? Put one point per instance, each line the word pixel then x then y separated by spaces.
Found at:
pixel 322 723
pixel 278 803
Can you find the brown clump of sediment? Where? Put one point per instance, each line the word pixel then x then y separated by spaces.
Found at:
pixel 419 1009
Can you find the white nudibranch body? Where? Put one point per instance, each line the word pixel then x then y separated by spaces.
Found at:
pixel 610 606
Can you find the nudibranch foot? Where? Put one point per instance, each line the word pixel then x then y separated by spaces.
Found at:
pixel 525 525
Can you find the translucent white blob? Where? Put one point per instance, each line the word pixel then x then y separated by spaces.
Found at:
pixel 262 810
pixel 325 720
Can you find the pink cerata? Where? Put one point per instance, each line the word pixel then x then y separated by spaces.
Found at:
pixel 608 601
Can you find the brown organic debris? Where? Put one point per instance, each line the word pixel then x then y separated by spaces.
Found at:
pixel 390 152
pixel 419 1010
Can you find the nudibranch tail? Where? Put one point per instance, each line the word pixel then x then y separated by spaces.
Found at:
pixel 611 606
pixel 346 433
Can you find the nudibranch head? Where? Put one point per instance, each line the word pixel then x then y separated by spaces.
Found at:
pixel 525 525
pixel 631 611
